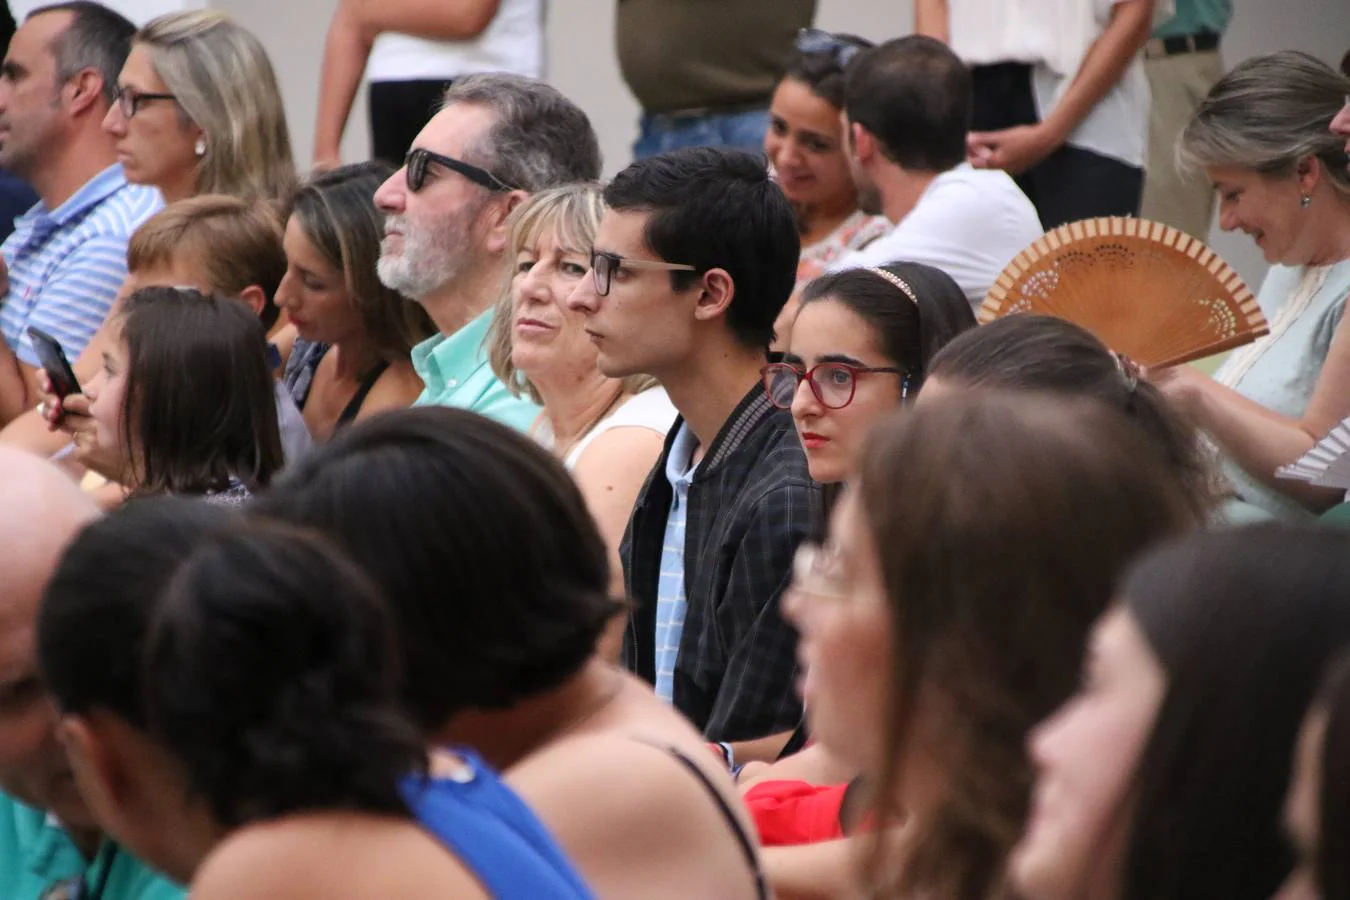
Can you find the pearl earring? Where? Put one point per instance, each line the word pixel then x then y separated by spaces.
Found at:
pixel 1305 201
pixel 201 147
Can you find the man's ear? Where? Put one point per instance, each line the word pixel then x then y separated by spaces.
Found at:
pixel 715 296
pixel 83 91
pixel 497 233
pixel 863 141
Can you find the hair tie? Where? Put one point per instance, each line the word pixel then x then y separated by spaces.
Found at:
pixel 898 282
pixel 1129 370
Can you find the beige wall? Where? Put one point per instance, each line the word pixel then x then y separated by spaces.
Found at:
pixel 582 62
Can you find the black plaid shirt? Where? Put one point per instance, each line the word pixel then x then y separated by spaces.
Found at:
pixel 751 502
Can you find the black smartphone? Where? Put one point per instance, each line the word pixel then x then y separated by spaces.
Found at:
pixel 54 361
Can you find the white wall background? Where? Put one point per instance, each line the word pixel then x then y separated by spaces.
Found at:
pixel 582 62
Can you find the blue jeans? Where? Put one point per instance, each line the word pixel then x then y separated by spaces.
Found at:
pixel 661 132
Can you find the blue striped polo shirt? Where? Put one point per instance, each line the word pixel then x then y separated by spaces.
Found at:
pixel 67 264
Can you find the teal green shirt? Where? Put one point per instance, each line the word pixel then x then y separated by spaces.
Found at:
pixel 455 371
pixel 36 854
pixel 1195 16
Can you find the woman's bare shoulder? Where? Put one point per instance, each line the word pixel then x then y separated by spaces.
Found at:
pixel 333 856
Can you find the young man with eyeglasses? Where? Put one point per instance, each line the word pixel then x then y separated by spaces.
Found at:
pixel 497 139
pixel 67 256
pixel 692 263
pixel 51 847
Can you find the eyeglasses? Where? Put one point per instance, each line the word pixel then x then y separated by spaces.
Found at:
pixel 814 41
pixel 129 99
pixel 604 265
pixel 415 170
pixel 832 383
pixel 816 571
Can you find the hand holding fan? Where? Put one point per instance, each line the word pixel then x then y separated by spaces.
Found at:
pixel 1146 290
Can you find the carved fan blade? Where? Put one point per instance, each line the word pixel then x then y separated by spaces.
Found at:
pixel 1145 289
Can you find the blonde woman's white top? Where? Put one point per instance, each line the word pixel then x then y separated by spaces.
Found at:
pixel 650 409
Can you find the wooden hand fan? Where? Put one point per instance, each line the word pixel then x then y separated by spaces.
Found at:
pixel 1146 290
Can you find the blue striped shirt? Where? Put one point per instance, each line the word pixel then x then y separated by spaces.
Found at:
pixel 671 601
pixel 66 265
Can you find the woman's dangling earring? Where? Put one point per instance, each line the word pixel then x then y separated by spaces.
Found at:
pixel 1305 201
pixel 201 151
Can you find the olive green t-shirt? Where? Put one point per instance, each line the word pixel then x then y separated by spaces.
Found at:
pixel 693 54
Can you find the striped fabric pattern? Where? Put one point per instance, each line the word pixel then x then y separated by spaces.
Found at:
pixel 66 265
pixel 671 602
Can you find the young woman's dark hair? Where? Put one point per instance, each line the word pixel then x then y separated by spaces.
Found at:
pixel 823 70
pixel 1332 863
pixel 1243 623
pixel 1001 522
pixel 271 675
pixel 1043 353
pixel 200 402
pixel 496 572
pixel 336 211
pixel 96 611
pixel 910 330
pixel 259 658
pixel 717 208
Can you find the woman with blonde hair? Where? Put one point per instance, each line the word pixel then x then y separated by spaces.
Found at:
pixel 198 110
pixel 608 431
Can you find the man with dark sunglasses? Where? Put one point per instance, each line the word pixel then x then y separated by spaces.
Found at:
pixel 51 846
pixel 497 139
pixel 693 261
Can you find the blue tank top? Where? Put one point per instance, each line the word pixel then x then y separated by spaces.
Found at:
pixel 494 834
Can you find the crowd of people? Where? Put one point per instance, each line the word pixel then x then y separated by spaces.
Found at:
pixel 454 523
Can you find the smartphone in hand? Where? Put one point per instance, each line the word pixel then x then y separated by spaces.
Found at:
pixel 54 362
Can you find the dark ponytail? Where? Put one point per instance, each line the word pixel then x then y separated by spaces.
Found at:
pixel 1032 352
pixel 270 675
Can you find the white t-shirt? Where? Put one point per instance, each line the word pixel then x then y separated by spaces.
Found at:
pixel 970 223
pixel 650 409
pixel 513 42
pixel 990 31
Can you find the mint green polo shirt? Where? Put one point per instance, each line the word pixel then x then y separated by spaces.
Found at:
pixel 36 854
pixel 455 372
pixel 1195 16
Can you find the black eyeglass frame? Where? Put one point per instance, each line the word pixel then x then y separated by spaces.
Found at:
pixel 129 100
pixel 604 264
pixel 773 369
pixel 415 171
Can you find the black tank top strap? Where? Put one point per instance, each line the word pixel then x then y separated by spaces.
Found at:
pixel 747 844
pixel 354 405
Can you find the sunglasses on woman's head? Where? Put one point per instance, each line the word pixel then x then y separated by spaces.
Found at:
pixel 815 41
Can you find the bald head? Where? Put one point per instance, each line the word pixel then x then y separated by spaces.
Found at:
pixel 41 509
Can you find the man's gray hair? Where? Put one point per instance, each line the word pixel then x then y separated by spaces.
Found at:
pixel 97 38
pixel 539 140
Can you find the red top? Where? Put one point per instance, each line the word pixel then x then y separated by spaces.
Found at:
pixel 795 812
